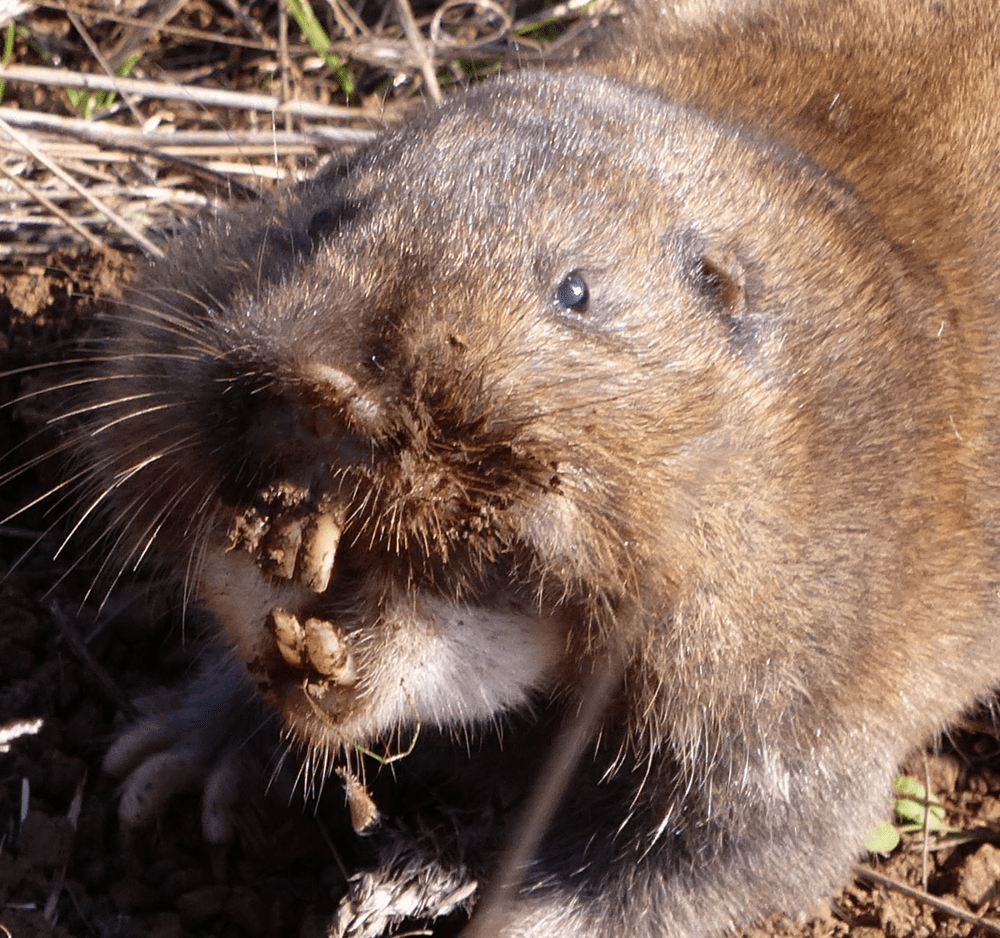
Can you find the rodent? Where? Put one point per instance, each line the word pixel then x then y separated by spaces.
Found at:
pixel 680 363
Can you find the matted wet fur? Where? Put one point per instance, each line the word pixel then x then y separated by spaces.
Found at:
pixel 677 366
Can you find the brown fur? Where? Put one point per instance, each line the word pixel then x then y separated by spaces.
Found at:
pixel 756 471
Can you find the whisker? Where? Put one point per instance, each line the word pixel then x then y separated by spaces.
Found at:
pixel 95 406
pixel 154 527
pixel 25 554
pixel 21 468
pixel 41 366
pixel 120 479
pixel 197 554
pixel 133 415
pixel 178 319
pixel 36 501
pixel 198 340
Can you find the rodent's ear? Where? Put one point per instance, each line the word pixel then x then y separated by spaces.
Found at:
pixel 721 278
pixel 722 281
pixel 718 276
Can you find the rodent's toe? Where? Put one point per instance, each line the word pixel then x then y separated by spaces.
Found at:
pixel 220 798
pixel 149 787
pixel 153 778
pixel 195 740
pixel 133 747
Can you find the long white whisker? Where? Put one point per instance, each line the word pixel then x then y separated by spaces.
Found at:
pixel 132 415
pixel 95 406
pixel 41 366
pixel 150 532
pixel 36 501
pixel 119 480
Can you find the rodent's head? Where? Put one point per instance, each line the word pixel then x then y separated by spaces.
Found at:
pixel 525 352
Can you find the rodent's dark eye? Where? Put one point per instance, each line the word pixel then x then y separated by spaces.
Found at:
pixel 327 220
pixel 323 222
pixel 573 294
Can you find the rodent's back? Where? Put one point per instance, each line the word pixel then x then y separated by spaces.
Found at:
pixel 896 99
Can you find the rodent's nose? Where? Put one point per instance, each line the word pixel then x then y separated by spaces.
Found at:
pixel 289 434
pixel 345 395
pixel 332 440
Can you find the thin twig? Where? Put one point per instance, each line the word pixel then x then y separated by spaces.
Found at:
pixel 162 11
pixel 880 879
pixel 59 881
pixel 348 19
pixel 95 51
pixel 139 194
pixel 924 855
pixel 416 41
pixel 551 784
pixel 284 58
pixel 185 32
pixel 248 24
pixel 50 206
pixel 108 213
pixel 211 97
pixel 108 686
pixel 104 133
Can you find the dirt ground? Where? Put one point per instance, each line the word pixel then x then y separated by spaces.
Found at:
pixel 73 655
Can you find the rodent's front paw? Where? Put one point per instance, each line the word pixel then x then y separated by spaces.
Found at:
pixel 197 742
pixel 156 764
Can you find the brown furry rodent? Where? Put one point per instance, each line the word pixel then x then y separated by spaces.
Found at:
pixel 681 362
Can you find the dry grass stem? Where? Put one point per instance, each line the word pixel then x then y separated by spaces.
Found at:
pixel 145 117
pixel 988 926
pixel 207 97
pixel 38 153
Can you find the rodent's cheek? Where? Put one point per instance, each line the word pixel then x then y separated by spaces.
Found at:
pixel 412 658
pixel 446 663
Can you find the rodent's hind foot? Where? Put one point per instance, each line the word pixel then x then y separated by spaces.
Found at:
pixel 416 879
